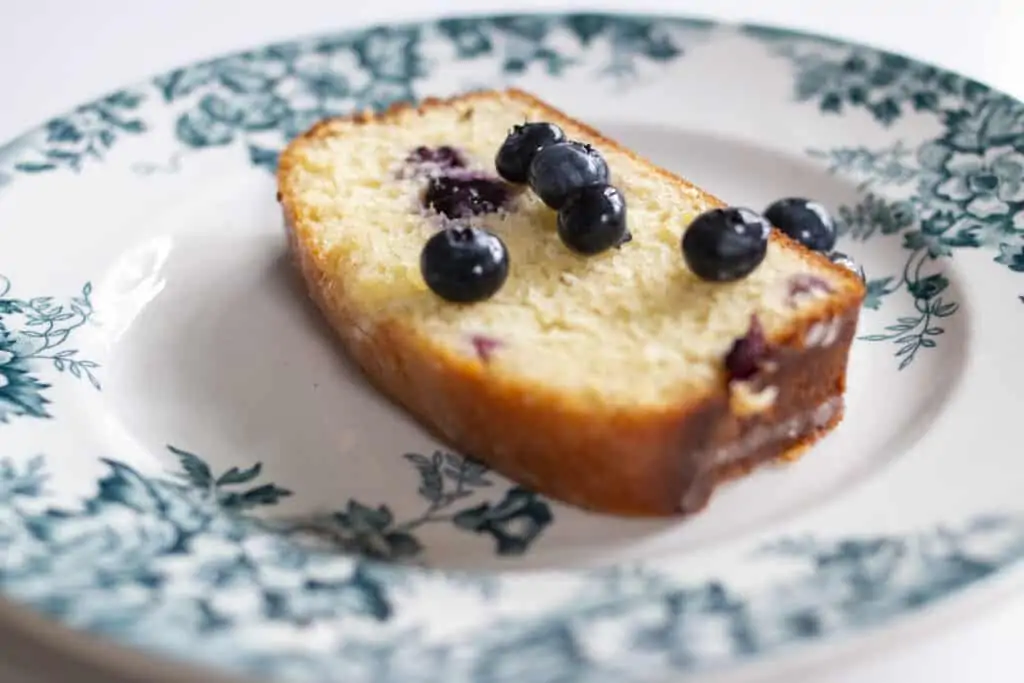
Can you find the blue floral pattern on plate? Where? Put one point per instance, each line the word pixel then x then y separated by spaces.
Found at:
pixel 183 565
pixel 34 331
pixel 963 189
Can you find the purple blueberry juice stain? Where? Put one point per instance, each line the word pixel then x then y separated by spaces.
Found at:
pixel 464 195
pixel 452 189
pixel 485 346
pixel 440 158
pixel 748 353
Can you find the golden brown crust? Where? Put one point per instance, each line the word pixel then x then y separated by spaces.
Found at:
pixel 625 461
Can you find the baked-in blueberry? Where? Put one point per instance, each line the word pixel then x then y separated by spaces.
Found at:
pixel 748 353
pixel 443 157
pixel 593 219
pixel 463 196
pixel 464 265
pixel 520 147
pixel 560 169
pixel 726 244
pixel 807 222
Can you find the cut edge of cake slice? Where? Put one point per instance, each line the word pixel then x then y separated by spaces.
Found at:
pixel 661 454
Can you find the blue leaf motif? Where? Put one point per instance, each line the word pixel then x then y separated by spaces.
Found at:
pixel 237 476
pixel 258 112
pixel 264 158
pixel 198 129
pixel 21 394
pixel 239 79
pixel 34 167
pixel 470 37
pixel 1012 256
pixel 644 37
pixel 62 130
pixel 514 523
pixel 552 650
pixel 22 480
pixel 251 112
pixel 72 140
pixel 876 290
pixel 381 94
pixel 123 99
pixel 431 484
pixel 267 494
pixel 587 27
pixel 124 486
pixel 362 517
pixel 532 28
pixel 928 287
pixel 182 82
pixel 358 594
pixel 196 470
pixel 390 53
pixel 998 122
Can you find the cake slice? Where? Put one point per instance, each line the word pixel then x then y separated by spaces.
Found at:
pixel 620 381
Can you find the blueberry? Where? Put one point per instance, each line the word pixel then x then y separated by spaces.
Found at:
pixel 564 167
pixel 807 222
pixel 748 353
pixel 725 244
pixel 841 259
pixel 464 265
pixel 522 144
pixel 463 196
pixel 593 219
pixel 443 157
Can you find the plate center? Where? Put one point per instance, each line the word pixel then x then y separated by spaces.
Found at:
pixel 231 362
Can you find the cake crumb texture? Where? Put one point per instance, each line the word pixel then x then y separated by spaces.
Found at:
pixel 608 366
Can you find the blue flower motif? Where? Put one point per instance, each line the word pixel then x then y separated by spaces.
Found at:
pixel 1012 256
pixel 469 36
pixel 22 481
pixel 391 53
pixel 552 648
pixel 85 134
pixel 943 231
pixel 513 522
pixel 997 122
pixel 986 186
pixel 323 75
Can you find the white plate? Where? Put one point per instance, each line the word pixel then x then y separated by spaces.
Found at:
pixel 189 468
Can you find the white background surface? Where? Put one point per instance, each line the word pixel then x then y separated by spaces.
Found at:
pixel 55 54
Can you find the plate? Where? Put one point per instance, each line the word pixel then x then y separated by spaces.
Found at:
pixel 191 469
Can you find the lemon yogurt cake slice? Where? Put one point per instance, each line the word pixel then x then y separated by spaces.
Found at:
pixel 584 322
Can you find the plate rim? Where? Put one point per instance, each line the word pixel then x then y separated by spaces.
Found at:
pixel 846 643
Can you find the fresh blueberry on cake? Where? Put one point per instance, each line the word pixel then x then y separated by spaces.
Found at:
pixel 726 244
pixel 464 265
pixel 807 222
pixel 564 167
pixel 476 257
pixel 593 219
pixel 517 151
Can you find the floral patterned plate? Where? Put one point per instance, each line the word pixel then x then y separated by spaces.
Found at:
pixel 189 468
